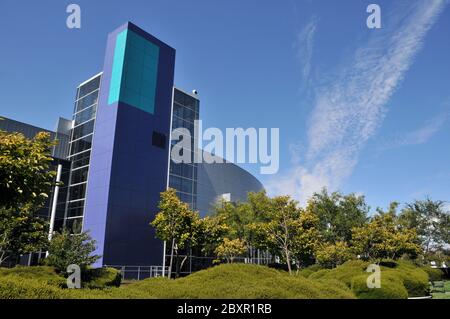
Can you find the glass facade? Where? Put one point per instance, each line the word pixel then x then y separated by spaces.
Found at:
pixel 183 176
pixel 80 150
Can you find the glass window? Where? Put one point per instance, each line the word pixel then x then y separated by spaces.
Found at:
pixel 186 185
pixel 77 191
pixel 74 225
pixel 175 182
pixel 177 110
pixel 87 88
pixel 81 159
pixel 86 114
pixel 86 101
pixel 75 209
pixel 83 130
pixel 81 145
pixel 79 175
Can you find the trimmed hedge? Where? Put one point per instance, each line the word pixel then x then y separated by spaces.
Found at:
pixel 223 281
pixel 44 274
pixel 433 273
pixel 100 278
pixel 391 288
pixel 412 278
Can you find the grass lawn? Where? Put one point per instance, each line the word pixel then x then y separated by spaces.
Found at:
pixel 440 295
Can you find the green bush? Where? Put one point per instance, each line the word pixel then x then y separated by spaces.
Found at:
pixel 13 287
pixel 391 288
pixel 223 281
pixel 99 278
pixel 240 281
pixel 343 273
pixel 43 274
pixel 433 273
pixel 306 272
pixel 414 278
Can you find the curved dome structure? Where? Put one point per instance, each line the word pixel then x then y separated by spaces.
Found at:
pixel 223 180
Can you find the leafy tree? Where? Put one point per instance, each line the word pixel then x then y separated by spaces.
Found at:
pixel 338 214
pixel 25 182
pixel 431 222
pixel 229 249
pixel 285 232
pixel 25 178
pixel 212 232
pixel 384 237
pixel 66 249
pixel 333 255
pixel 308 239
pixel 21 232
pixel 176 223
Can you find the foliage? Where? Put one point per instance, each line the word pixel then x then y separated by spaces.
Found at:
pixel 288 231
pixel 25 182
pixel 21 231
pixel 431 222
pixel 338 214
pixel 391 288
pixel 100 278
pixel 383 237
pixel 212 231
pixel 177 224
pixel 408 276
pixel 333 255
pixel 433 273
pixel 234 281
pixel 44 274
pixel 66 249
pixel 24 169
pixel 229 249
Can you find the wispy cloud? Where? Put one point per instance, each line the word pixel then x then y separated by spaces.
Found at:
pixel 348 112
pixel 418 136
pixel 305 47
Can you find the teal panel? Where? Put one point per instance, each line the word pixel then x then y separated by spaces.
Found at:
pixel 117 68
pixel 134 72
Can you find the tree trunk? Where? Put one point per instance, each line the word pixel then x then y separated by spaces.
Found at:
pixel 288 261
pixel 171 258
pixel 177 265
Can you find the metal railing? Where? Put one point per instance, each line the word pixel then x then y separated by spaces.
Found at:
pixel 139 272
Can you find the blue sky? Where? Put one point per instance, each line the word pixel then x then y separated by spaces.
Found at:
pixel 359 110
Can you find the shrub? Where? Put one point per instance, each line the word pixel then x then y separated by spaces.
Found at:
pixel 391 288
pixel 66 249
pixel 99 278
pixel 414 278
pixel 13 287
pixel 43 274
pixel 223 281
pixel 433 273
pixel 240 281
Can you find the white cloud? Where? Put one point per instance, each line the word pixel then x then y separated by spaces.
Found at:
pixel 418 136
pixel 348 112
pixel 305 47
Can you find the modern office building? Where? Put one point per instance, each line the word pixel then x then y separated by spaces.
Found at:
pixel 116 152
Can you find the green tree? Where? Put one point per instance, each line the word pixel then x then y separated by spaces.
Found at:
pixel 25 178
pixel 66 249
pixel 332 255
pixel 431 222
pixel 212 232
pixel 177 224
pixel 229 249
pixel 338 214
pixel 286 232
pixel 21 232
pixel 384 237
pixel 25 182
